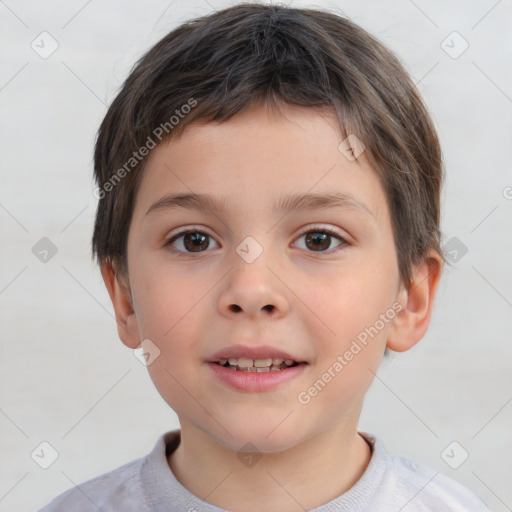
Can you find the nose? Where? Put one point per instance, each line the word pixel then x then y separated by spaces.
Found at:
pixel 236 308
pixel 253 290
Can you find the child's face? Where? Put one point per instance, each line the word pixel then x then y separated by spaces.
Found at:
pixel 300 295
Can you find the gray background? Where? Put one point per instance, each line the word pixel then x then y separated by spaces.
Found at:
pixel 65 376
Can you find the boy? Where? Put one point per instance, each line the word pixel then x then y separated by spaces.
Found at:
pixel 268 225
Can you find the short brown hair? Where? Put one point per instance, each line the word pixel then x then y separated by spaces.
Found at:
pixel 220 64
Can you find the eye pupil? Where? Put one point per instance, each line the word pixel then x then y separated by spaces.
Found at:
pixel 319 240
pixel 198 242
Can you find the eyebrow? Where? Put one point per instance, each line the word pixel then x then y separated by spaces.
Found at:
pixel 292 202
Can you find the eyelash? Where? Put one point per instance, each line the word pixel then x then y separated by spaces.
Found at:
pixel 168 243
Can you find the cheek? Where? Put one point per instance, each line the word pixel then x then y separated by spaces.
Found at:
pixel 166 300
pixel 348 302
pixel 348 357
pixel 173 321
pixel 353 336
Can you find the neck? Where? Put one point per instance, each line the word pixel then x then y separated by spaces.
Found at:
pixel 305 476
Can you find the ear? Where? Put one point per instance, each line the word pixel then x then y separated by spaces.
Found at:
pixel 411 323
pixel 126 320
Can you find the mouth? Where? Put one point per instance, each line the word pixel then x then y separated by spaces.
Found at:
pixel 256 375
pixel 262 365
pixel 252 369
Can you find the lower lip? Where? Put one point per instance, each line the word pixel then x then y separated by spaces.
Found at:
pixel 254 382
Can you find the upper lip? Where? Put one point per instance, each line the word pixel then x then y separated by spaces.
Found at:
pixel 259 352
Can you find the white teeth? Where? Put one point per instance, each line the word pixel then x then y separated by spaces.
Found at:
pixel 267 364
pixel 261 363
pixel 244 362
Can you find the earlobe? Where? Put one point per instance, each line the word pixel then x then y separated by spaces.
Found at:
pixel 411 323
pixel 126 320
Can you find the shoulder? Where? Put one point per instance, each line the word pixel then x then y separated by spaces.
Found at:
pixel 427 489
pixel 118 489
pixel 134 487
pixel 398 483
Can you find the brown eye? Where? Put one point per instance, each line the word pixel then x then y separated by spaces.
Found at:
pixel 190 242
pixel 319 240
pixel 195 242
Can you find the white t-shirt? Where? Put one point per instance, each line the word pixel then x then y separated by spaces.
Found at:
pixel 389 484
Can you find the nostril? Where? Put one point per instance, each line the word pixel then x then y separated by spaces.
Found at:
pixel 269 307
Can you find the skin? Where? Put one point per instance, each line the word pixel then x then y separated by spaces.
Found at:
pixel 311 453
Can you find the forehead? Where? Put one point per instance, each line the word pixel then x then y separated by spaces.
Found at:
pixel 256 160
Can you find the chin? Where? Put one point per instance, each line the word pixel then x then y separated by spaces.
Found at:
pixel 268 436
